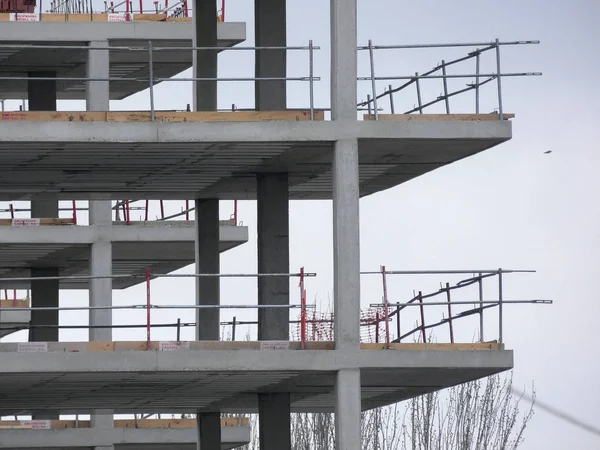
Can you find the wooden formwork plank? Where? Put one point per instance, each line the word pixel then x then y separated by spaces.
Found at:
pixel 126 423
pixel 42 222
pixel 170 117
pixel 439 117
pixel 22 303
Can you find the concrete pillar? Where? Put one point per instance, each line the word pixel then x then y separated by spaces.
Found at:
pixel 347 410
pixel 343 59
pixel 205 61
pixel 270 31
pixel 100 213
pixel 273 255
pixel 274 424
pixel 98 63
pixel 41 94
pixel 346 231
pixel 208 293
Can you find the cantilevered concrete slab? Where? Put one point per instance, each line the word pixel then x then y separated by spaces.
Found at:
pixel 220 159
pixel 228 380
pixel 13 320
pixel 162 247
pixel 180 434
pixel 16 62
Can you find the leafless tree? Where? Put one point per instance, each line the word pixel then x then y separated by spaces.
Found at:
pixel 479 415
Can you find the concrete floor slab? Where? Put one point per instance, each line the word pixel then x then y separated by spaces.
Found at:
pixel 160 246
pixel 16 62
pixel 207 160
pixel 230 381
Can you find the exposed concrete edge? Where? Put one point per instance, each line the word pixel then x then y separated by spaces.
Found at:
pixel 250 360
pixel 278 131
pixel 230 33
pixel 95 437
pixel 88 234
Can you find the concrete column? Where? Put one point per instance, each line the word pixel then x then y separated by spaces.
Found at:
pixel 208 293
pixel 101 265
pixel 343 59
pixel 205 61
pixel 102 419
pixel 346 245
pixel 44 293
pixel 41 94
pixel 273 255
pixel 347 410
pixel 98 64
pixel 274 424
pixel 270 31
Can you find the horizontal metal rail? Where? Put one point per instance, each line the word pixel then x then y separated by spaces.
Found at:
pixel 146 80
pixel 145 48
pixel 161 275
pixel 468 75
pixel 152 306
pixel 490 302
pixel 448 272
pixel 449 45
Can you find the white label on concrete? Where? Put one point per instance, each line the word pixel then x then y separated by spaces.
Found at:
pixel 169 346
pixel 120 17
pixel 26 222
pixel 32 347
pixel 24 17
pixel 274 345
pixel 37 424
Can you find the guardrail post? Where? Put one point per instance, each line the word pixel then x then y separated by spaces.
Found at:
pixel 398 321
pixel 373 83
pixel 450 313
pixel 423 332
pixel 302 311
pixel 151 80
pixel 311 82
pixel 386 308
pixel 480 282
pixel 392 109
pixel 178 330
pixel 500 318
pixel 500 111
pixel 233 324
pixel 445 79
pixel 477 58
pixel 148 309
pixel 417 82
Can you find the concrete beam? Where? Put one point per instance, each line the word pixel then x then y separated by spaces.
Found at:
pixel 228 33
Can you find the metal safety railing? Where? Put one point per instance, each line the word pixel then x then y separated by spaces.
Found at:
pixel 147 277
pixel 439 72
pixel 419 299
pixel 151 80
pixel 124 207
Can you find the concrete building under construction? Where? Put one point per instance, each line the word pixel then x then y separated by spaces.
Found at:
pixel 110 162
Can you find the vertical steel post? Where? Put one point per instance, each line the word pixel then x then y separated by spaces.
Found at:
pixel 233 324
pixel 423 333
pixel 151 80
pixel 398 321
pixel 311 82
pixel 147 309
pixel 162 209
pixel 391 100
pixel 500 112
pixel 74 212
pixel 127 212
pixel 369 104
pixel 187 210
pixel 12 211
pixel 146 213
pixel 477 83
pixel 303 310
pixel 373 84
pixel 377 327
pixel 480 282
pixel 178 329
pixel 235 212
pixel 500 318
pixel 418 83
pixel 446 99
pixel 386 308
pixel 223 10
pixel 450 313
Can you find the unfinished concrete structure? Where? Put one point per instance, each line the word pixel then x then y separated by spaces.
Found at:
pixel 272 155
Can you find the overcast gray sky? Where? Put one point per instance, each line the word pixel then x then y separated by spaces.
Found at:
pixel 512 206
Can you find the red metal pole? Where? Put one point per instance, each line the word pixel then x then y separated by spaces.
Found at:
pixel 424 334
pixel 147 309
pixel 303 310
pixel 223 10
pixel 74 212
pixel 14 297
pixel 146 214
pixel 127 10
pixel 141 6
pixel 377 327
pixel 450 313
pixel 387 308
pixel 127 212
pixel 187 210
pixel 162 209
pixel 185 7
